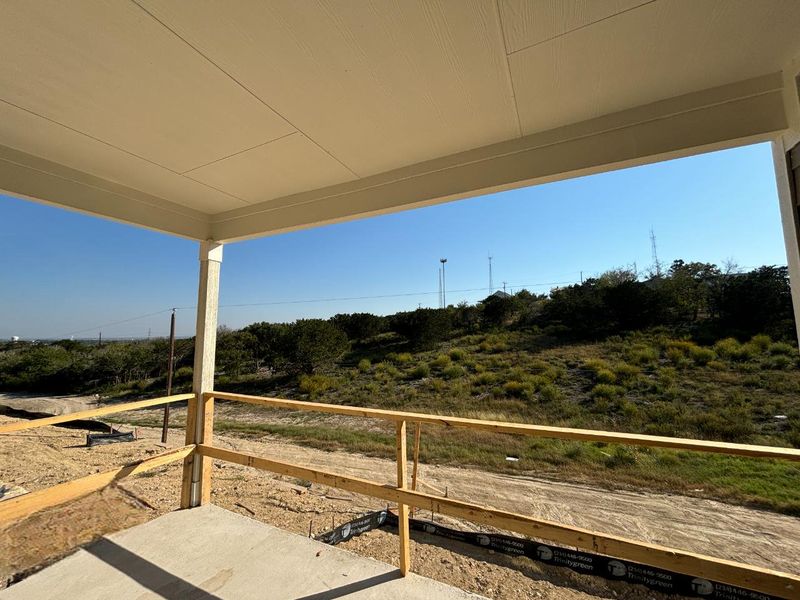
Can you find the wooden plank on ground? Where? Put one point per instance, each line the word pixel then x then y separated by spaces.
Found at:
pixel 22 506
pixel 94 412
pixel 759 579
pixel 564 433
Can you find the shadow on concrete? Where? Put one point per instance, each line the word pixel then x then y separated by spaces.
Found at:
pixel 147 574
pixel 354 587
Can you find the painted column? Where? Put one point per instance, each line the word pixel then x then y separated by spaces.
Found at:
pixel 196 489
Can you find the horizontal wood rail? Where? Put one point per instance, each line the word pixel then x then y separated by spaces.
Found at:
pixel 94 412
pixel 754 578
pixel 20 507
pixel 564 433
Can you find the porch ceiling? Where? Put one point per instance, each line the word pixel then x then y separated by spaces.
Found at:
pixel 229 120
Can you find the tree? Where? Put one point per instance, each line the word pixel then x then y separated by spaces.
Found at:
pixel 498 310
pixel 360 326
pixel 235 351
pixel 313 343
pixel 424 327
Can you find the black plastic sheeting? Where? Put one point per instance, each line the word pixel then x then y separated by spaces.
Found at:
pixel 660 580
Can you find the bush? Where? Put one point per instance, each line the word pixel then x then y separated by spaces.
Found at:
pixel 360 326
pixel 424 327
pixel 702 356
pixel 364 365
pixel 485 378
pixel 314 385
pixel 452 372
pixel 420 371
pixel 550 393
pixel 778 362
pixel 761 341
pixel 457 354
pixel 184 374
pixel 313 343
pixel 621 456
pixel 403 358
pixel 605 376
pixel 642 355
pixel 440 362
pixel 516 389
pixel 782 348
pixel 604 390
pixel 386 370
pixel 731 349
pixel 626 372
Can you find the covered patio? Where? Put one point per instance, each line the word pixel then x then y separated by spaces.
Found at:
pixel 221 122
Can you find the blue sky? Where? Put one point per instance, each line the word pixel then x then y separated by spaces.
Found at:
pixel 65 273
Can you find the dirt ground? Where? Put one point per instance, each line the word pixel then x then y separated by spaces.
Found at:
pixel 38 458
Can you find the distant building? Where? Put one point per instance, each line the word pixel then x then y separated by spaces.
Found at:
pixel 501 294
pixel 14 338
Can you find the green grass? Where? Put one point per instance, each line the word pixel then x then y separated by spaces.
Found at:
pixel 643 383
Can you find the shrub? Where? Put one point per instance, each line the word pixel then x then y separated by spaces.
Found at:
pixel 403 358
pixel 782 348
pixel 440 362
pixel 596 364
pixel 516 389
pixel 731 349
pixel 457 354
pixel 386 369
pixel 184 374
pixel 424 327
pixel 420 371
pixel 626 372
pixel 702 356
pixel 761 341
pixel 312 343
pixel 550 393
pixel 642 355
pixel 604 390
pixel 452 372
pixel 621 456
pixel 314 385
pixel 364 365
pixel 677 357
pixel 605 376
pixel 485 378
pixel 778 362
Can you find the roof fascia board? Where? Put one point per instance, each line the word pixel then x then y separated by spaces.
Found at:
pixel 33 178
pixel 727 116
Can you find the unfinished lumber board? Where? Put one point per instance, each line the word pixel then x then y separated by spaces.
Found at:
pixel 23 506
pixel 564 433
pixel 94 412
pixel 758 579
pixel 402 509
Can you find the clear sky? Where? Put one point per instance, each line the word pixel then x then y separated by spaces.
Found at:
pixel 65 273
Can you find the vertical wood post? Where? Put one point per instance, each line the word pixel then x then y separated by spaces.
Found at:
pixel 196 488
pixel 415 469
pixel 402 509
pixel 790 220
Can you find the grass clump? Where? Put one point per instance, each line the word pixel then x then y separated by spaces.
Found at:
pixel 516 389
pixel 314 385
pixel 364 365
pixel 457 354
pixel 782 348
pixel 732 350
pixel 606 391
pixel 420 371
pixel 440 362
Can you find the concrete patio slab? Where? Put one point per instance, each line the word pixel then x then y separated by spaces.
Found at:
pixel 209 553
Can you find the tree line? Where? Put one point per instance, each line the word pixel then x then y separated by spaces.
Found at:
pixel 692 298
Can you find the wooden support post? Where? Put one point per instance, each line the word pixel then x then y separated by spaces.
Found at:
pixel 417 434
pixel 402 509
pixel 196 488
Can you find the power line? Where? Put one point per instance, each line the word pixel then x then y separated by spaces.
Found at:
pixel 310 301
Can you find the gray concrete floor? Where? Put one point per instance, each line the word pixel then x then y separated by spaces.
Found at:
pixel 210 553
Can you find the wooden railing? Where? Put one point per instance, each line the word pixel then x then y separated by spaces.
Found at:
pixel 755 578
pixel 20 507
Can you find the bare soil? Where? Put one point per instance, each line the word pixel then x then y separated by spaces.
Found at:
pixel 39 458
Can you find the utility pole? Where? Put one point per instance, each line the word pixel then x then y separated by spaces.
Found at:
pixel 504 287
pixel 99 339
pixel 170 368
pixel 654 251
pixel 444 286
pixel 491 283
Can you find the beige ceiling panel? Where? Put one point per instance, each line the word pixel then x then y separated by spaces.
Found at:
pixel 110 70
pixel 530 22
pixel 378 84
pixel 656 51
pixel 286 166
pixel 34 135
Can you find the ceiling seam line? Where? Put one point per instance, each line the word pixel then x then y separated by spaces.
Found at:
pixel 203 218
pixel 245 88
pixel 495 156
pixel 110 145
pixel 565 33
pixel 239 152
pixel 508 65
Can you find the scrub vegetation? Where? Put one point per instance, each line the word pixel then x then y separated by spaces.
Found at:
pixel 693 352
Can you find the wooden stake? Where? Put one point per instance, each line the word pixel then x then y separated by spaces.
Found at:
pixel 402 509
pixel 417 433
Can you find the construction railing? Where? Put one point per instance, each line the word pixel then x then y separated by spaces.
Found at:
pixel 20 507
pixel 755 578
